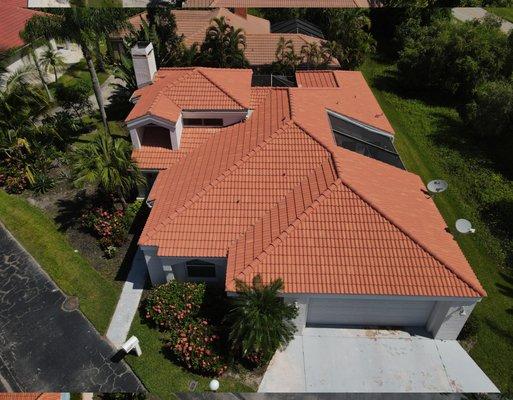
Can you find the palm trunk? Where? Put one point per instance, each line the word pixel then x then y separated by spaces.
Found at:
pixel 40 73
pixel 55 73
pixel 122 199
pixel 99 56
pixel 96 85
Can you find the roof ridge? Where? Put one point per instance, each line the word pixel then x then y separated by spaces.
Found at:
pixel 204 189
pixel 221 87
pixel 286 232
pixel 412 237
pixel 387 217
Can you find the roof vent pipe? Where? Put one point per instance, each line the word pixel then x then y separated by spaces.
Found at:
pixel 145 67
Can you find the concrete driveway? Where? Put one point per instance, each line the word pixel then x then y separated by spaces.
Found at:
pixel 359 360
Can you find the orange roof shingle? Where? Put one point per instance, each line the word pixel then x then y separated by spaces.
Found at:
pixel 13 19
pixel 280 3
pixel 277 197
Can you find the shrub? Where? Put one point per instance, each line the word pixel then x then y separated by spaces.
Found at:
pixel 42 183
pixel 194 345
pixel 451 59
pixel 108 225
pixel 490 113
pixel 131 212
pixel 175 304
pixel 74 97
pixel 260 321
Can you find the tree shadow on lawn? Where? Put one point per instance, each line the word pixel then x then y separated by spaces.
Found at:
pixel 135 229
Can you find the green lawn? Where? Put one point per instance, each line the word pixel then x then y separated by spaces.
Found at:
pixel 160 376
pixel 70 271
pixel 79 71
pixel 432 143
pixel 503 12
pixel 98 296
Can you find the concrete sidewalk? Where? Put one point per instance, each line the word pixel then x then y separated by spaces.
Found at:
pixel 326 360
pixel 471 13
pixel 128 301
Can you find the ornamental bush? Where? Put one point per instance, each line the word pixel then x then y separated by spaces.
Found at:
pixel 174 305
pixel 108 225
pixel 195 346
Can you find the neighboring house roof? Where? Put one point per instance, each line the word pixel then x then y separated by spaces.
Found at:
pixel 279 3
pixel 297 25
pixel 30 396
pixel 261 44
pixel 193 24
pixel 14 18
pixel 279 198
pixel 261 48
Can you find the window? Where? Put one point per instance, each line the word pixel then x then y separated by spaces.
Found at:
pixel 200 269
pixel 202 122
pixel 365 141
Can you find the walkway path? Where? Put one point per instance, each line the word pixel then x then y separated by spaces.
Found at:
pixel 471 13
pixel 128 301
pixel 42 347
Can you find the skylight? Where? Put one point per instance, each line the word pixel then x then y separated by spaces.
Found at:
pixel 364 140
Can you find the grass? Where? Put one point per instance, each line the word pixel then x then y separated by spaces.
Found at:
pixel 81 72
pixel 433 143
pixel 503 12
pixel 160 376
pixel 69 270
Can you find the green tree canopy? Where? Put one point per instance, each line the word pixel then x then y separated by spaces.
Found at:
pixel 107 163
pixel 260 321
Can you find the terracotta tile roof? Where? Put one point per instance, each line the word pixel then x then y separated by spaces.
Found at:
pixel 279 3
pixel 277 197
pixel 316 79
pixel 30 396
pixel 158 157
pixel 193 24
pixel 13 18
pixel 261 48
pixel 175 90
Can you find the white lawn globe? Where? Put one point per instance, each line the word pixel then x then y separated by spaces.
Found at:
pixel 214 385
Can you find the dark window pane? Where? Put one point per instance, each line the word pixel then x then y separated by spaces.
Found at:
pixel 200 269
pixel 213 122
pixel 192 122
pixel 364 141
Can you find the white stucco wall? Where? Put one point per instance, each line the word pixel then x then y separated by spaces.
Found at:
pixel 445 322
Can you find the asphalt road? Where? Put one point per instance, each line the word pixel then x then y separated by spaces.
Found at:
pixel 42 347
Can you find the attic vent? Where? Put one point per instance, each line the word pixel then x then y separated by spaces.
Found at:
pixel 364 140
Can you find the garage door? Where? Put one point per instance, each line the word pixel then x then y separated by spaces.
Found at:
pixel 368 312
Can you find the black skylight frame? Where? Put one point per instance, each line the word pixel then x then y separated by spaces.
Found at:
pixel 363 139
pixel 297 25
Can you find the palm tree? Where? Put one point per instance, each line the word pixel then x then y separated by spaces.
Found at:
pixel 29 50
pixel 286 58
pixel 81 25
pixel 107 163
pixel 52 59
pixel 260 322
pixel 224 45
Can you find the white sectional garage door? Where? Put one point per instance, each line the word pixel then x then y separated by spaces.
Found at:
pixel 368 312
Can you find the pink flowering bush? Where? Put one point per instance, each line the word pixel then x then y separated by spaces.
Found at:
pixel 173 305
pixel 195 346
pixel 108 225
pixel 175 309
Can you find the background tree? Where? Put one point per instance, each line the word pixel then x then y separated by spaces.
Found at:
pixel 51 59
pixel 350 29
pixel 287 60
pixel 318 56
pixel 33 41
pixel 260 322
pixel 74 97
pixel 490 113
pixel 159 28
pixel 224 46
pixel 80 25
pixel 106 162
pixel 451 59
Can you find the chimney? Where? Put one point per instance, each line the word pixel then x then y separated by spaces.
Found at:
pixel 241 12
pixel 145 66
